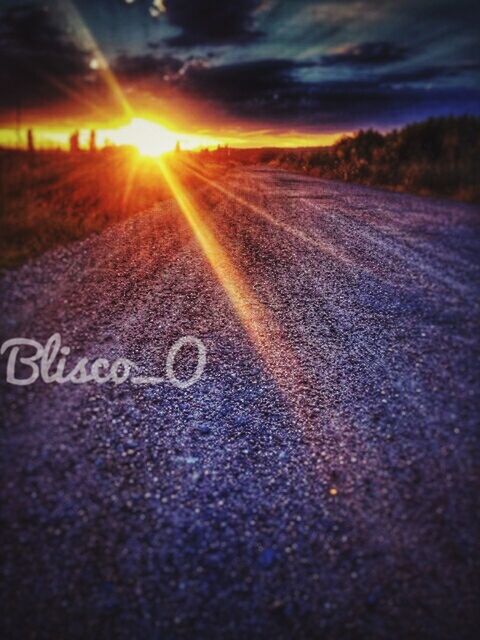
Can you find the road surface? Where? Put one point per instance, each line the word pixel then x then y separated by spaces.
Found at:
pixel 318 481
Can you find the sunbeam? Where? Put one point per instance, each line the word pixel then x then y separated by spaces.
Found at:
pixel 102 66
pixel 281 362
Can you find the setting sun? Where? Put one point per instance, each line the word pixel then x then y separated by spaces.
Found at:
pixel 150 138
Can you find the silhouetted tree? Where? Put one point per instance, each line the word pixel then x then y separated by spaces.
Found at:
pixel 92 145
pixel 30 141
pixel 74 142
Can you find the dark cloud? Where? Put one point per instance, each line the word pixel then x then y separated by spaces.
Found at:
pixel 261 80
pixel 212 22
pixel 349 104
pixel 146 66
pixel 430 73
pixel 28 32
pixel 272 90
pixel 420 74
pixel 36 57
pixel 235 86
pixel 42 67
pixel 367 53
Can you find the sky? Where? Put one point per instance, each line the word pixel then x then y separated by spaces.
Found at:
pixel 243 71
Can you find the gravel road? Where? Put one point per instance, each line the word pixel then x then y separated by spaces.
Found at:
pixel 318 481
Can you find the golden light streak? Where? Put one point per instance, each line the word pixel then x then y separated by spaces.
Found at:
pixel 282 364
pixel 102 66
pixel 130 182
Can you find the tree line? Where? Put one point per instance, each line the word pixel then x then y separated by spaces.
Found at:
pixel 440 156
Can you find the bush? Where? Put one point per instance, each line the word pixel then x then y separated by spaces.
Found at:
pixel 440 156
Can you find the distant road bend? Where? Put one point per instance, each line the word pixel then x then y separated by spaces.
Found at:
pixel 317 482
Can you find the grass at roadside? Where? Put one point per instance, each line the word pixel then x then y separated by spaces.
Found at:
pixel 50 198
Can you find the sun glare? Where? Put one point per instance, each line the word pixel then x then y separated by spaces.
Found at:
pixel 149 138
